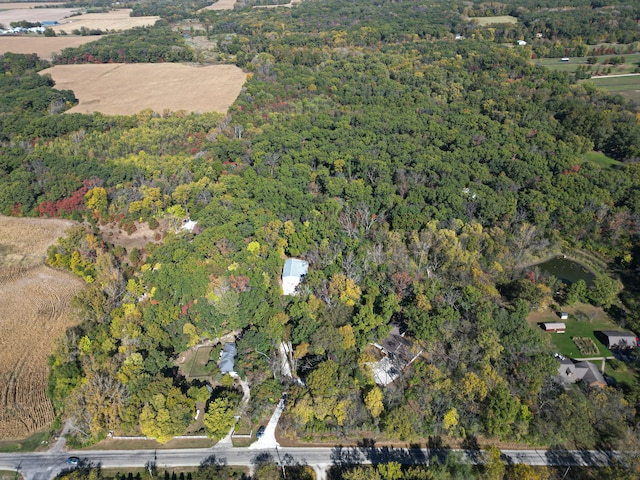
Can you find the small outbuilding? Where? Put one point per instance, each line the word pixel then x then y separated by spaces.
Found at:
pixel 228 358
pixel 563 315
pixel 619 340
pixel 554 327
pixel 522 43
pixel 292 274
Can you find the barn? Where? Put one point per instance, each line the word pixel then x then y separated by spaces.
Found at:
pixel 554 327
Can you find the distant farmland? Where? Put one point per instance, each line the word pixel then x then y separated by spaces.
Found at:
pixel 34 313
pixel 482 21
pixel 44 47
pixel 113 20
pixel 126 89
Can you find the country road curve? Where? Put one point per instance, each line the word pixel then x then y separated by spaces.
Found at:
pixel 45 466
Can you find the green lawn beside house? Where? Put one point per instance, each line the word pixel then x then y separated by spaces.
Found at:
pixel 580 328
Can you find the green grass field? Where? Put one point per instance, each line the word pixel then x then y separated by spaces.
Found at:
pixel 580 328
pixel 628 87
pixel 28 444
pixel 482 21
pixel 623 374
pixel 601 159
pixel 200 366
pixel 632 60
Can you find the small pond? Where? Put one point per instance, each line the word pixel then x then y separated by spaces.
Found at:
pixel 566 270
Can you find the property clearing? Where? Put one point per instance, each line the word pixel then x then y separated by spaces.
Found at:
pixel 584 320
pixel 115 20
pixel 42 46
pixel 483 21
pixel 127 89
pixel 34 313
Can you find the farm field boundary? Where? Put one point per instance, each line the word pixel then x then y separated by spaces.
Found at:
pixel 127 89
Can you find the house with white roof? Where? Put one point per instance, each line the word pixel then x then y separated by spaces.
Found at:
pixel 292 273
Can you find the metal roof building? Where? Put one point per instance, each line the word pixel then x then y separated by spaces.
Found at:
pixel 292 273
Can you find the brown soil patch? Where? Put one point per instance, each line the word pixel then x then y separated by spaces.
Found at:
pixel 44 47
pixel 18 14
pixel 24 241
pixel 221 5
pixel 143 235
pixel 114 20
pixel 34 313
pixel 127 89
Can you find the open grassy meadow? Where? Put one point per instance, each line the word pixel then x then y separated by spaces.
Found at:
pixel 127 89
pixel 601 159
pixel 627 86
pixel 34 313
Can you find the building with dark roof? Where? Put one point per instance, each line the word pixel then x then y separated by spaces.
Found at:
pixel 571 372
pixel 228 357
pixel 616 340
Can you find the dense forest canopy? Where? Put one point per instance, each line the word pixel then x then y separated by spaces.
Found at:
pixel 417 174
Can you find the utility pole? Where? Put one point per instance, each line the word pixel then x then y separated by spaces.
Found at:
pixel 281 464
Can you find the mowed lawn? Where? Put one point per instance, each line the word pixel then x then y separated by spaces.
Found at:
pixel 579 324
pixel 628 87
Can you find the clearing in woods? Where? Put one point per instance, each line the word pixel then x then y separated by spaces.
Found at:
pixel 127 89
pixel 34 313
pixel 483 21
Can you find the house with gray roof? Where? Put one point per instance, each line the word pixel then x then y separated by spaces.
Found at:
pixel 228 357
pixel 292 274
pixel 571 372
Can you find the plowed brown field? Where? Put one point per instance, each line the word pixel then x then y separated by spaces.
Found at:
pixel 126 89
pixel 34 313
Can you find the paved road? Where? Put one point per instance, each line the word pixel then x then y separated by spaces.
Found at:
pixel 44 466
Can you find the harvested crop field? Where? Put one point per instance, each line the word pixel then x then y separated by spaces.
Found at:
pixel 221 5
pixel 114 20
pixel 44 47
pixel 34 14
pixel 126 89
pixel 34 313
pixel 483 21
pixel 11 5
pixel 24 241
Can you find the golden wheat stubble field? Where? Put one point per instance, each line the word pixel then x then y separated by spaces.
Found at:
pixel 220 5
pixel 44 47
pixel 127 89
pixel 34 313
pixel 113 20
